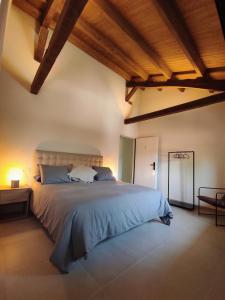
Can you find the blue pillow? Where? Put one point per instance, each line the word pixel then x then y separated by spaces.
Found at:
pixel 37 178
pixel 103 174
pixel 54 174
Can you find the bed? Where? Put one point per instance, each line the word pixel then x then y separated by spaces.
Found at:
pixel 78 215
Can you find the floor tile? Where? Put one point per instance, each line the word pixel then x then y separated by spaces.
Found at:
pixel 184 261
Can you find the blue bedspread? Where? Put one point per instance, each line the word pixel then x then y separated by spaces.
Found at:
pixel 78 216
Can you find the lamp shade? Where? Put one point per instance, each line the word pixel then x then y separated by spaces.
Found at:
pixel 15 174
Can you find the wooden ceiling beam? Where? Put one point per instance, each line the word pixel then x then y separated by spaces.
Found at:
pixel 42 29
pixel 192 72
pixel 112 49
pixel 218 98
pixel 34 12
pixel 77 38
pixel 130 94
pixel 172 17
pixel 70 14
pixel 53 7
pixel 220 5
pixel 218 85
pixel 41 37
pixel 114 15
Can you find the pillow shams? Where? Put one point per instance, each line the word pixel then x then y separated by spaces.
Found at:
pixel 54 174
pixel 83 173
pixel 103 174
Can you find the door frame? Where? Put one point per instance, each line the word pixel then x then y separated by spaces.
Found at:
pixel 134 153
pixel 134 163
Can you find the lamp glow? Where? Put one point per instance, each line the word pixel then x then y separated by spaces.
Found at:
pixel 15 176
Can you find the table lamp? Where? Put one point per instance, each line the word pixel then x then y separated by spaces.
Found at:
pixel 15 175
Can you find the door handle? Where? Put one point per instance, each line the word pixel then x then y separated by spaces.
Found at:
pixel 153 165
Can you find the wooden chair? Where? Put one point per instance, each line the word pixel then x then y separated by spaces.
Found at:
pixel 217 201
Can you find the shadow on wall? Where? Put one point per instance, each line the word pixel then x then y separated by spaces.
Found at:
pixel 16 75
pixel 19 47
pixel 59 146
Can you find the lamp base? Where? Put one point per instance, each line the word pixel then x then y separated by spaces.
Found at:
pixel 15 184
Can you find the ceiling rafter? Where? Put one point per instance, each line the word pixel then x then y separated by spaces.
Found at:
pixel 69 16
pixel 53 7
pixel 208 71
pixel 130 94
pixel 220 5
pixel 172 17
pixel 42 28
pixel 218 98
pixel 111 48
pixel 41 37
pixel 76 38
pixel 112 13
pixel 112 57
pixel 218 85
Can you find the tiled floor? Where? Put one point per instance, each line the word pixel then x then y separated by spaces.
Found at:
pixel 153 261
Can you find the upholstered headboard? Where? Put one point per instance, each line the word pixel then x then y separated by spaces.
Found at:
pixel 62 158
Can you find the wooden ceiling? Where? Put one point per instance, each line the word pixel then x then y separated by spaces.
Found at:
pixel 142 40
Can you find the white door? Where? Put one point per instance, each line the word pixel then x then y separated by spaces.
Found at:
pixel 146 161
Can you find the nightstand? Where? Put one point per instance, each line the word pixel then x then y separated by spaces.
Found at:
pixel 9 196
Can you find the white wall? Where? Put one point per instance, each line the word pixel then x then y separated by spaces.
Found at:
pixel 80 108
pixel 152 100
pixel 4 10
pixel 201 130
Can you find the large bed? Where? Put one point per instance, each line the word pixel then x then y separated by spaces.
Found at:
pixel 78 215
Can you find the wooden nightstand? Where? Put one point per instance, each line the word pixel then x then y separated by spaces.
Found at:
pixel 10 196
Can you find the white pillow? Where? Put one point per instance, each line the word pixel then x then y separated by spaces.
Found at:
pixel 83 173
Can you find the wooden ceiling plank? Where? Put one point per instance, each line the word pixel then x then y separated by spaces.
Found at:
pixel 32 10
pixel 40 42
pixel 218 85
pixel 112 13
pixel 218 98
pixel 110 47
pixel 77 39
pixel 172 17
pixel 70 14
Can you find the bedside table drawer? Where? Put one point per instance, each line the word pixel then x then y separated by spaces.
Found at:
pixel 14 196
